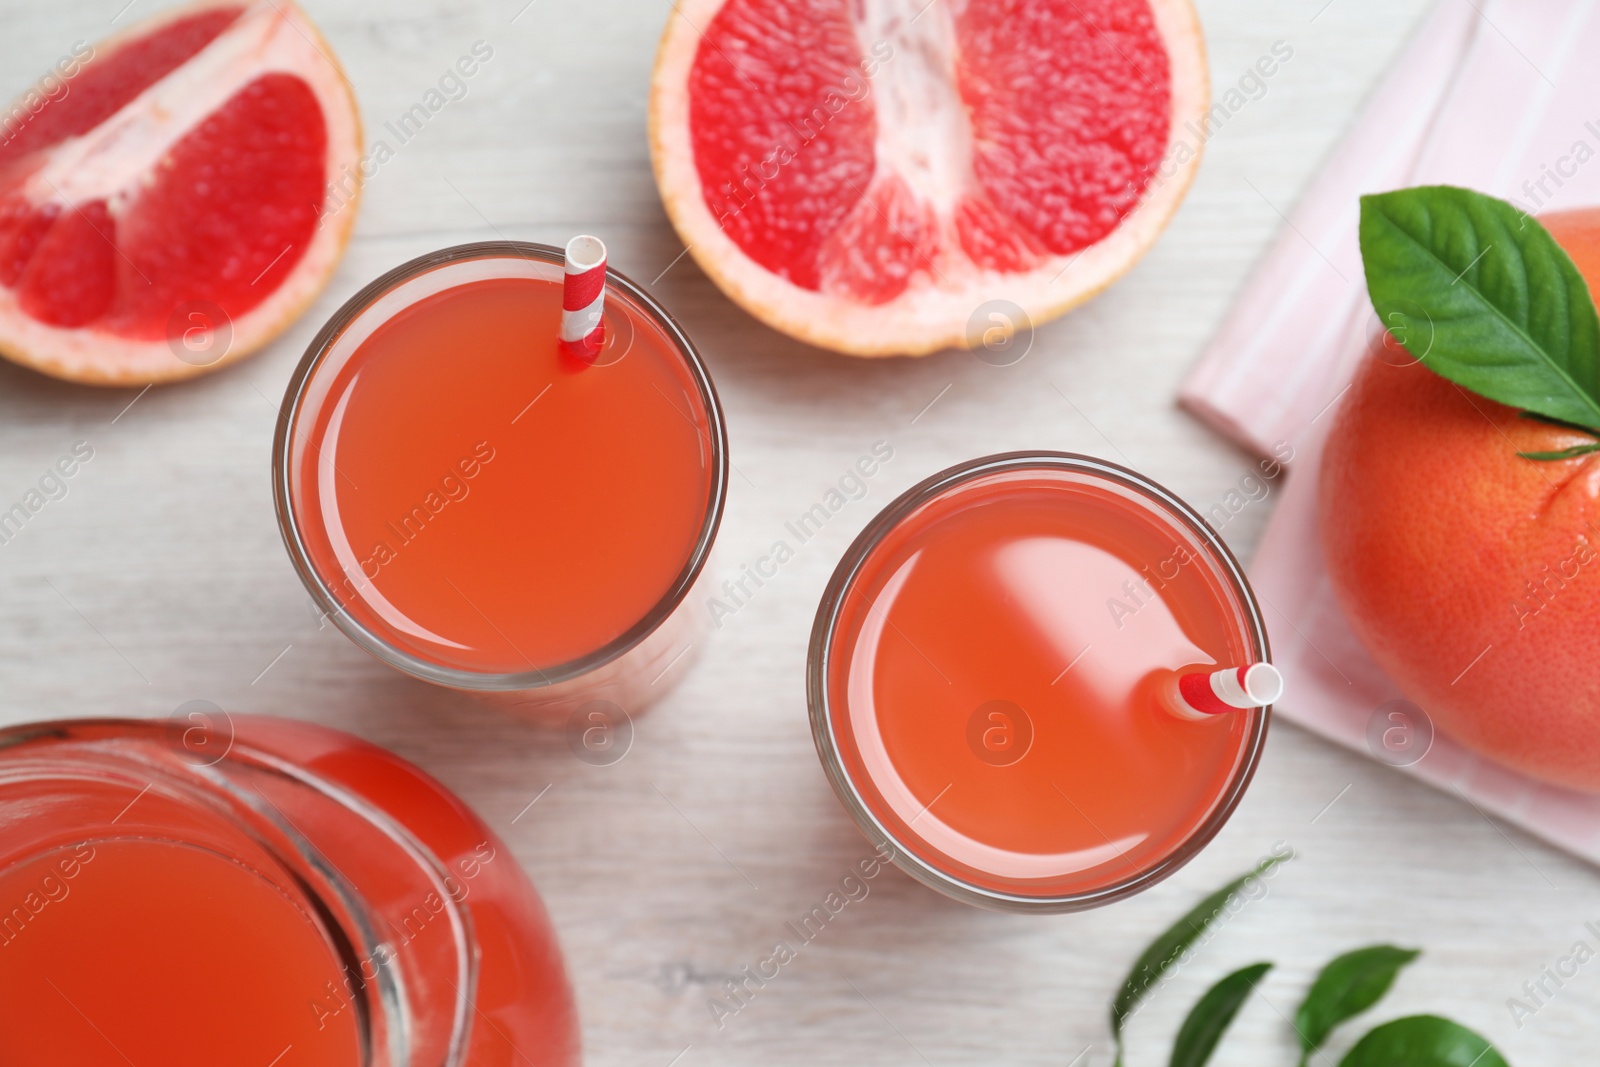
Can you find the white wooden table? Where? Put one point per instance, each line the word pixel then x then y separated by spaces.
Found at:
pixel 160 578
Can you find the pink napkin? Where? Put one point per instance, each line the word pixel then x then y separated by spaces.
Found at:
pixel 1499 95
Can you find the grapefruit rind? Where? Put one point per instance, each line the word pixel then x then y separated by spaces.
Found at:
pixel 270 36
pixel 932 317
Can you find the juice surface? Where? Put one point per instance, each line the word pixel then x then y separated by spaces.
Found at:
pixel 993 680
pixel 143 951
pixel 481 501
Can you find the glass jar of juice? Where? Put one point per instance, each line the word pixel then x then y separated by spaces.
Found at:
pixel 477 508
pixel 988 672
pixel 259 891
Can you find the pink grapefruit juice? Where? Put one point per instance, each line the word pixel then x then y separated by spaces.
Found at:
pixel 477 501
pixel 149 951
pixel 989 659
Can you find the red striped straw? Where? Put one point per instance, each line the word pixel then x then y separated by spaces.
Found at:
pixel 583 298
pixel 1202 694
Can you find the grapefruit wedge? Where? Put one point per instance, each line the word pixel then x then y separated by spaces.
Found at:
pixel 869 175
pixel 180 201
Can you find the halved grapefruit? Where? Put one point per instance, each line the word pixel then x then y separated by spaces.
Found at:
pixel 866 175
pixel 173 207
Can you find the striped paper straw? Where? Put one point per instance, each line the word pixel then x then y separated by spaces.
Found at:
pixel 583 298
pixel 1202 694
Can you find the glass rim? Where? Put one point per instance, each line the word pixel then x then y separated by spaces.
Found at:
pixel 819 665
pixel 374 643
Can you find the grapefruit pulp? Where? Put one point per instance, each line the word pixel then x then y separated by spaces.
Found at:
pixel 865 175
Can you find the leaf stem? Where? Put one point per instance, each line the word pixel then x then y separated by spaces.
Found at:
pixel 1565 453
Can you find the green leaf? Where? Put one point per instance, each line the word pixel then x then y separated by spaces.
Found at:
pixel 1209 1018
pixel 1565 453
pixel 1482 295
pixel 1346 987
pixel 1547 420
pixel 1422 1041
pixel 1164 951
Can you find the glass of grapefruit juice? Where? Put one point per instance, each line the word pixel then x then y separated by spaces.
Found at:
pixel 988 672
pixel 259 891
pixel 479 508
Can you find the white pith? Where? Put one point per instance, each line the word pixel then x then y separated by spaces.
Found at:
pixel 923 131
pixel 117 159
pixel 933 312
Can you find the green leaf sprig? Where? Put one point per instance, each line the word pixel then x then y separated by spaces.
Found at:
pixel 1481 294
pixel 1212 1014
pixel 1345 987
pixel 1158 958
pixel 1423 1041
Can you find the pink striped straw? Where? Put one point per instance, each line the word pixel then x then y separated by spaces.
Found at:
pixel 583 298
pixel 1202 694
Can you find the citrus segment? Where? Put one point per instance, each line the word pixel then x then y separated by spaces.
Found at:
pixel 777 203
pixel 1070 113
pixel 70 277
pixel 232 209
pixel 103 86
pixel 888 237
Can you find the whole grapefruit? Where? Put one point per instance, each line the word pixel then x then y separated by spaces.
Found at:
pixel 1473 574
